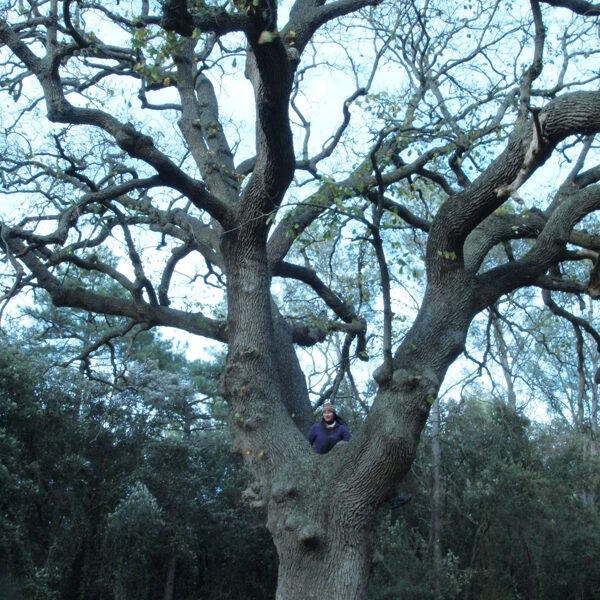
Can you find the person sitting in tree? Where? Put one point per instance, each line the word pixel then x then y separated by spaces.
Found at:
pixel 325 434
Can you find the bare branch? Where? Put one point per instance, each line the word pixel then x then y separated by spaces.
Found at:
pixel 577 322
pixel 580 7
pixel 139 311
pixel 548 249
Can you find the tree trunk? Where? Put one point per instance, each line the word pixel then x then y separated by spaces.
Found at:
pixel 321 509
pixel 170 580
pixel 504 362
pixel 436 497
pixel 321 543
pixel 293 382
pixel 532 577
pixel 336 565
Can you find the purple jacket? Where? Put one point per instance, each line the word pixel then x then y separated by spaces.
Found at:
pixel 323 440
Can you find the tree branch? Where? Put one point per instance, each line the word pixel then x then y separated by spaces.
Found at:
pixel 577 322
pixel 580 7
pixel 548 249
pixel 139 311
pixel 578 112
pixel 342 310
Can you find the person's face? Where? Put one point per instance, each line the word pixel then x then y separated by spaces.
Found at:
pixel 328 415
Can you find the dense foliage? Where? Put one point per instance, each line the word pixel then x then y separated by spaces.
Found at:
pixel 103 495
pixel 520 513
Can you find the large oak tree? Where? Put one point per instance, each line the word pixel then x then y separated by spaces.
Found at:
pixel 461 106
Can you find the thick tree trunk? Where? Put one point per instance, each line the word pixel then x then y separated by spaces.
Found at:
pixel 321 509
pixel 339 570
pixel 323 528
pixel 322 545
pixel 252 382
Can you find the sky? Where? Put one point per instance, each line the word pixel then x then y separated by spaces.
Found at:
pixel 322 105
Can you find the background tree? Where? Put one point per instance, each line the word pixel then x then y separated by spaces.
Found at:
pixel 514 525
pixel 462 105
pixel 104 492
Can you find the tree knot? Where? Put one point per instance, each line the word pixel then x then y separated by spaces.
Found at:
pixel 281 491
pixel 309 537
pixel 253 496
